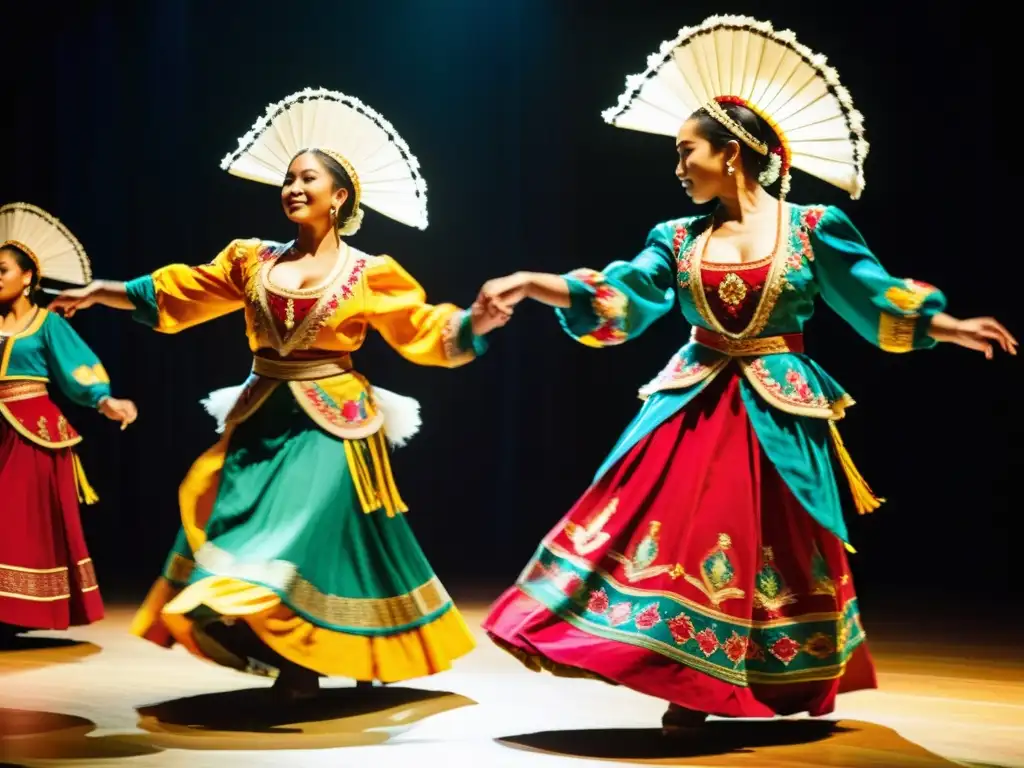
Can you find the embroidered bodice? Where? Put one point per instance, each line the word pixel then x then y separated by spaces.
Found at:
pixel 755 313
pixel 733 291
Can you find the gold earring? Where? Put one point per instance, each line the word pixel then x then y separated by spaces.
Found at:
pixel 28 291
pixel 334 212
pixel 731 169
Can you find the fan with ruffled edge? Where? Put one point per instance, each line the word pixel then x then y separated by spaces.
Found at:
pixel 58 254
pixel 389 178
pixel 783 81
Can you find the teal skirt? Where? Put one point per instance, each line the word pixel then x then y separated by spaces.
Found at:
pixel 290 550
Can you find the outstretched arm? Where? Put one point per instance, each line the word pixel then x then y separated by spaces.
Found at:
pixel 174 297
pixel 427 334
pixel 896 315
pixel 599 308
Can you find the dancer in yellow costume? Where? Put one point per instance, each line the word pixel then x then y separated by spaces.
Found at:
pixel 295 558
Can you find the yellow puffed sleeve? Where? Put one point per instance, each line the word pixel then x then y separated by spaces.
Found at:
pixel 179 296
pixel 426 334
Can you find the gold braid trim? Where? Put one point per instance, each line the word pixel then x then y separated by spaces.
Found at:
pixel 896 333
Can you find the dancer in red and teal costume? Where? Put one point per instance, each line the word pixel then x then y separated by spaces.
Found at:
pixel 706 565
pixel 295 557
pixel 47 578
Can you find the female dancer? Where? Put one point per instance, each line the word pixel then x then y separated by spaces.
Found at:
pixel 706 563
pixel 295 558
pixel 47 579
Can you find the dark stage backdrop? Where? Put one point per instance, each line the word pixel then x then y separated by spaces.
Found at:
pixel 118 114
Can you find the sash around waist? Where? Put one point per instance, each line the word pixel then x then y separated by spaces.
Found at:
pixel 755 347
pixel 301 370
pixel 21 389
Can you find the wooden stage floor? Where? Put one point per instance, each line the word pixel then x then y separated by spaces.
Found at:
pixel 97 696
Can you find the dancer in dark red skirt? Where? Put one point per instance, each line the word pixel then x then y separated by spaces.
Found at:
pixel 706 565
pixel 47 580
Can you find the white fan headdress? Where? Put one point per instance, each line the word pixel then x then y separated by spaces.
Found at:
pixel 56 252
pixel 384 172
pixel 741 60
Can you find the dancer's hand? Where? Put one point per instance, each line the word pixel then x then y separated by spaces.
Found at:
pixel 977 333
pixel 503 293
pixel 485 318
pixel 123 411
pixel 111 294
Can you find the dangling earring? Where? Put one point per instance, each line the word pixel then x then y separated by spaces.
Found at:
pixel 334 213
pixel 27 292
pixel 729 166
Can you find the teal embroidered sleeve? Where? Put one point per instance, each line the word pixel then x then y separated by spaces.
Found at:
pixel 891 313
pixel 72 365
pixel 623 300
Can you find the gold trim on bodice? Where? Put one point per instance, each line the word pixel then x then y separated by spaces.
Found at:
pixel 772 287
pixel 306 330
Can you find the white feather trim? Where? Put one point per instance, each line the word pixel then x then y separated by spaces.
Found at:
pixel 401 415
pixel 220 402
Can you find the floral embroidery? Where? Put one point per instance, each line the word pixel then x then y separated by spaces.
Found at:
pixel 682 257
pixel 707 641
pixel 598 602
pixel 620 613
pixel 648 618
pixel 821 583
pixel 785 649
pixel 820 646
pixel 717 574
pixel 801 253
pixel 639 565
pixel 771 593
pixel 63 429
pixel 609 304
pixel 795 391
pixel 730 648
pixel 679 374
pixel 590 537
pixel 348 286
pixel 736 647
pixel 681 628
pixel 349 413
pixel 42 428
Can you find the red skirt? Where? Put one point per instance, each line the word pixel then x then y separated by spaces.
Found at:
pixel 47 579
pixel 691 573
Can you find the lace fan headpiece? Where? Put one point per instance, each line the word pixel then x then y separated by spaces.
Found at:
pixel 384 172
pixel 55 252
pixel 737 59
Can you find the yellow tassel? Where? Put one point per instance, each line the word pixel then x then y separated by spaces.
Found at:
pixel 849 548
pixel 375 485
pixel 85 492
pixel 864 499
pixel 387 490
pixel 360 476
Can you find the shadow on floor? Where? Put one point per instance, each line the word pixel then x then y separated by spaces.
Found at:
pixel 790 743
pixel 255 719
